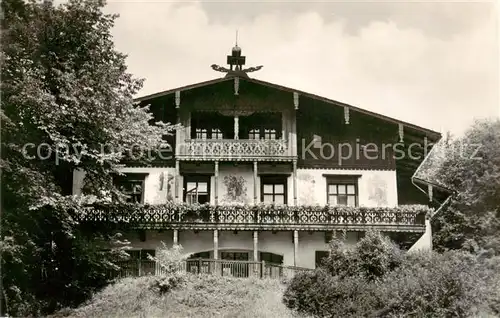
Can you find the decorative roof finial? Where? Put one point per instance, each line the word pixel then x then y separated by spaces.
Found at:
pixel 236 62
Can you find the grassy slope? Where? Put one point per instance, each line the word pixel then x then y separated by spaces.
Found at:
pixel 204 296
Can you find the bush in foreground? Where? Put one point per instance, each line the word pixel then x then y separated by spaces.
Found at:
pixel 374 279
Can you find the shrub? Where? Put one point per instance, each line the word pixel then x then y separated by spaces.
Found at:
pixel 376 255
pixel 375 279
pixel 169 259
pixel 372 256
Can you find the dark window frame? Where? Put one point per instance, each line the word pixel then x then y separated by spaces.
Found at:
pixel 342 181
pixel 274 180
pixel 198 179
pixel 130 179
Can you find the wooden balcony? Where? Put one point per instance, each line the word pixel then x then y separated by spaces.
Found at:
pixel 405 218
pixel 235 149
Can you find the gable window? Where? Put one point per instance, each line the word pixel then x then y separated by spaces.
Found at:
pixel 273 189
pixel 342 190
pixel 132 186
pixel 211 125
pixel 201 133
pixel 261 126
pixel 217 133
pixel 254 134
pixel 196 189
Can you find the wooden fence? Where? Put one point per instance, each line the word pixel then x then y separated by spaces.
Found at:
pixel 210 267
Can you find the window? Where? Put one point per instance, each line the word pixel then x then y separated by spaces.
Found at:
pixel 204 255
pixel 320 257
pixel 342 190
pixel 271 258
pixel 131 185
pixel 273 190
pixel 211 125
pixel 234 256
pixel 254 134
pixel 216 133
pixel 201 133
pixel 261 126
pixel 270 134
pixel 196 189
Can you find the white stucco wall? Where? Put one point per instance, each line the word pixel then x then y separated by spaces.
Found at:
pixel 376 187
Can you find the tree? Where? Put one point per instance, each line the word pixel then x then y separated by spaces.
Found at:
pixel 67 103
pixel 471 167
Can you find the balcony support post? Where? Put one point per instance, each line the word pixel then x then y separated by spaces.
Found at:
pixel 295 182
pixel 236 127
pixel 216 244
pixel 295 248
pixel 176 237
pixel 255 246
pixel 255 182
pixel 216 182
pixel 176 180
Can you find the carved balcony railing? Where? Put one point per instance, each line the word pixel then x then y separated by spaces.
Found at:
pixel 259 217
pixel 234 149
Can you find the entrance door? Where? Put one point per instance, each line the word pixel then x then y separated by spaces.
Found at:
pixel 235 269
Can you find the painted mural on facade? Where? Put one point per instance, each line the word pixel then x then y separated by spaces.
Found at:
pixel 236 190
pixel 377 191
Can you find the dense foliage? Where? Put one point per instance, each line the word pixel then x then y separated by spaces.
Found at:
pixel 375 279
pixel 66 96
pixel 470 166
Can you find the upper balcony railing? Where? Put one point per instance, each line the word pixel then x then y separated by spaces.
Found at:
pixel 183 216
pixel 234 149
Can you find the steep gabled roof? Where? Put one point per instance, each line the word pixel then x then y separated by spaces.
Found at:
pixel 433 135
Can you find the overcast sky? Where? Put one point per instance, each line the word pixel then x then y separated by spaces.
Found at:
pixel 434 64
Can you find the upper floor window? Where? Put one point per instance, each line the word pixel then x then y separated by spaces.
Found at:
pixel 342 190
pixel 261 126
pixel 254 134
pixel 270 134
pixel 211 125
pixel 217 133
pixel 196 189
pixel 201 133
pixel 273 190
pixel 132 186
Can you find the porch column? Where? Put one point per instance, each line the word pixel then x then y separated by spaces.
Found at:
pixel 216 183
pixel 295 182
pixel 255 246
pixel 216 244
pixel 177 180
pixel 255 182
pixel 295 248
pixel 176 237
pixel 236 127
